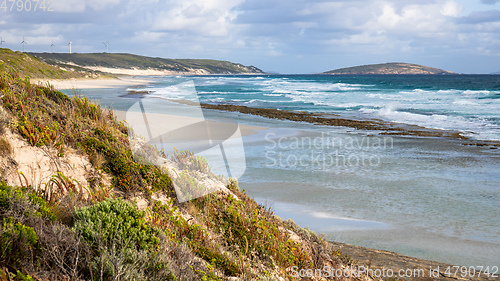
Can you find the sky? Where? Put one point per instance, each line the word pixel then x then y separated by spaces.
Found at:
pixel 285 36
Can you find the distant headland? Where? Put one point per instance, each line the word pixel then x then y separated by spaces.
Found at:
pixel 389 68
pixel 121 63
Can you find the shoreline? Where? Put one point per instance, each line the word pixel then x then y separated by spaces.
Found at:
pixel 99 83
pixel 387 259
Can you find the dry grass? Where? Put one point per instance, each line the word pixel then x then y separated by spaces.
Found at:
pixel 5 147
pixel 4 118
pixel 46 117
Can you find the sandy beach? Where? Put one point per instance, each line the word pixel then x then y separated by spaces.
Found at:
pixel 93 83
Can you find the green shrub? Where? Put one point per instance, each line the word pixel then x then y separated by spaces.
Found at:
pixel 16 241
pixel 115 219
pixel 126 247
pixel 12 195
pixel 250 230
pixel 19 231
pixel 218 260
pixel 197 238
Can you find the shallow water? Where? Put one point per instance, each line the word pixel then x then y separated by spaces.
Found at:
pixel 430 198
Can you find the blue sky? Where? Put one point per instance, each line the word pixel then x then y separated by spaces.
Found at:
pixel 286 36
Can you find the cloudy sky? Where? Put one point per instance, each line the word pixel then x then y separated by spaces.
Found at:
pixel 286 36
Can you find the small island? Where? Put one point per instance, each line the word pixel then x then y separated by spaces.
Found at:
pixel 389 68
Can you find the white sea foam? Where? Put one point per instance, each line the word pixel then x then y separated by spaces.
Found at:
pixel 390 97
pixel 464 110
pixel 448 92
pixel 465 102
pixel 479 128
pixel 471 93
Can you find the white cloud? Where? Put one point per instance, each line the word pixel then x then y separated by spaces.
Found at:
pixel 389 17
pixel 451 9
pixel 416 20
pixel 147 36
pixel 211 18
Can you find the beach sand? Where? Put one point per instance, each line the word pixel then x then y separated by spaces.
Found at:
pixel 93 83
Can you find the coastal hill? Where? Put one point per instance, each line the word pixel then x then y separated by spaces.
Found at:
pixel 142 65
pixel 389 68
pixel 28 65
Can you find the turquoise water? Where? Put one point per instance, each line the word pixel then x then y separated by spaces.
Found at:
pixel 430 198
pixel 467 103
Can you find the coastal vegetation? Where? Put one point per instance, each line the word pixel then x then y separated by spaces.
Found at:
pixel 130 61
pixel 124 222
pixel 28 65
pixel 388 68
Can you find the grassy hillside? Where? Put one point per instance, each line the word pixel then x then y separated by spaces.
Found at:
pixel 389 68
pixel 64 230
pixel 28 65
pixel 129 61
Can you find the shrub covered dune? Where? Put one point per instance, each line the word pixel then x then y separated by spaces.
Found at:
pixel 63 229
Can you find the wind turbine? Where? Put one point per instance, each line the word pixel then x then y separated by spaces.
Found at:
pixel 23 43
pixel 106 44
pixel 1 42
pixel 70 46
pixel 52 47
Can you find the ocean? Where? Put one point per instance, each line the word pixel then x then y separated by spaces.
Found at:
pixel 431 198
pixel 468 103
